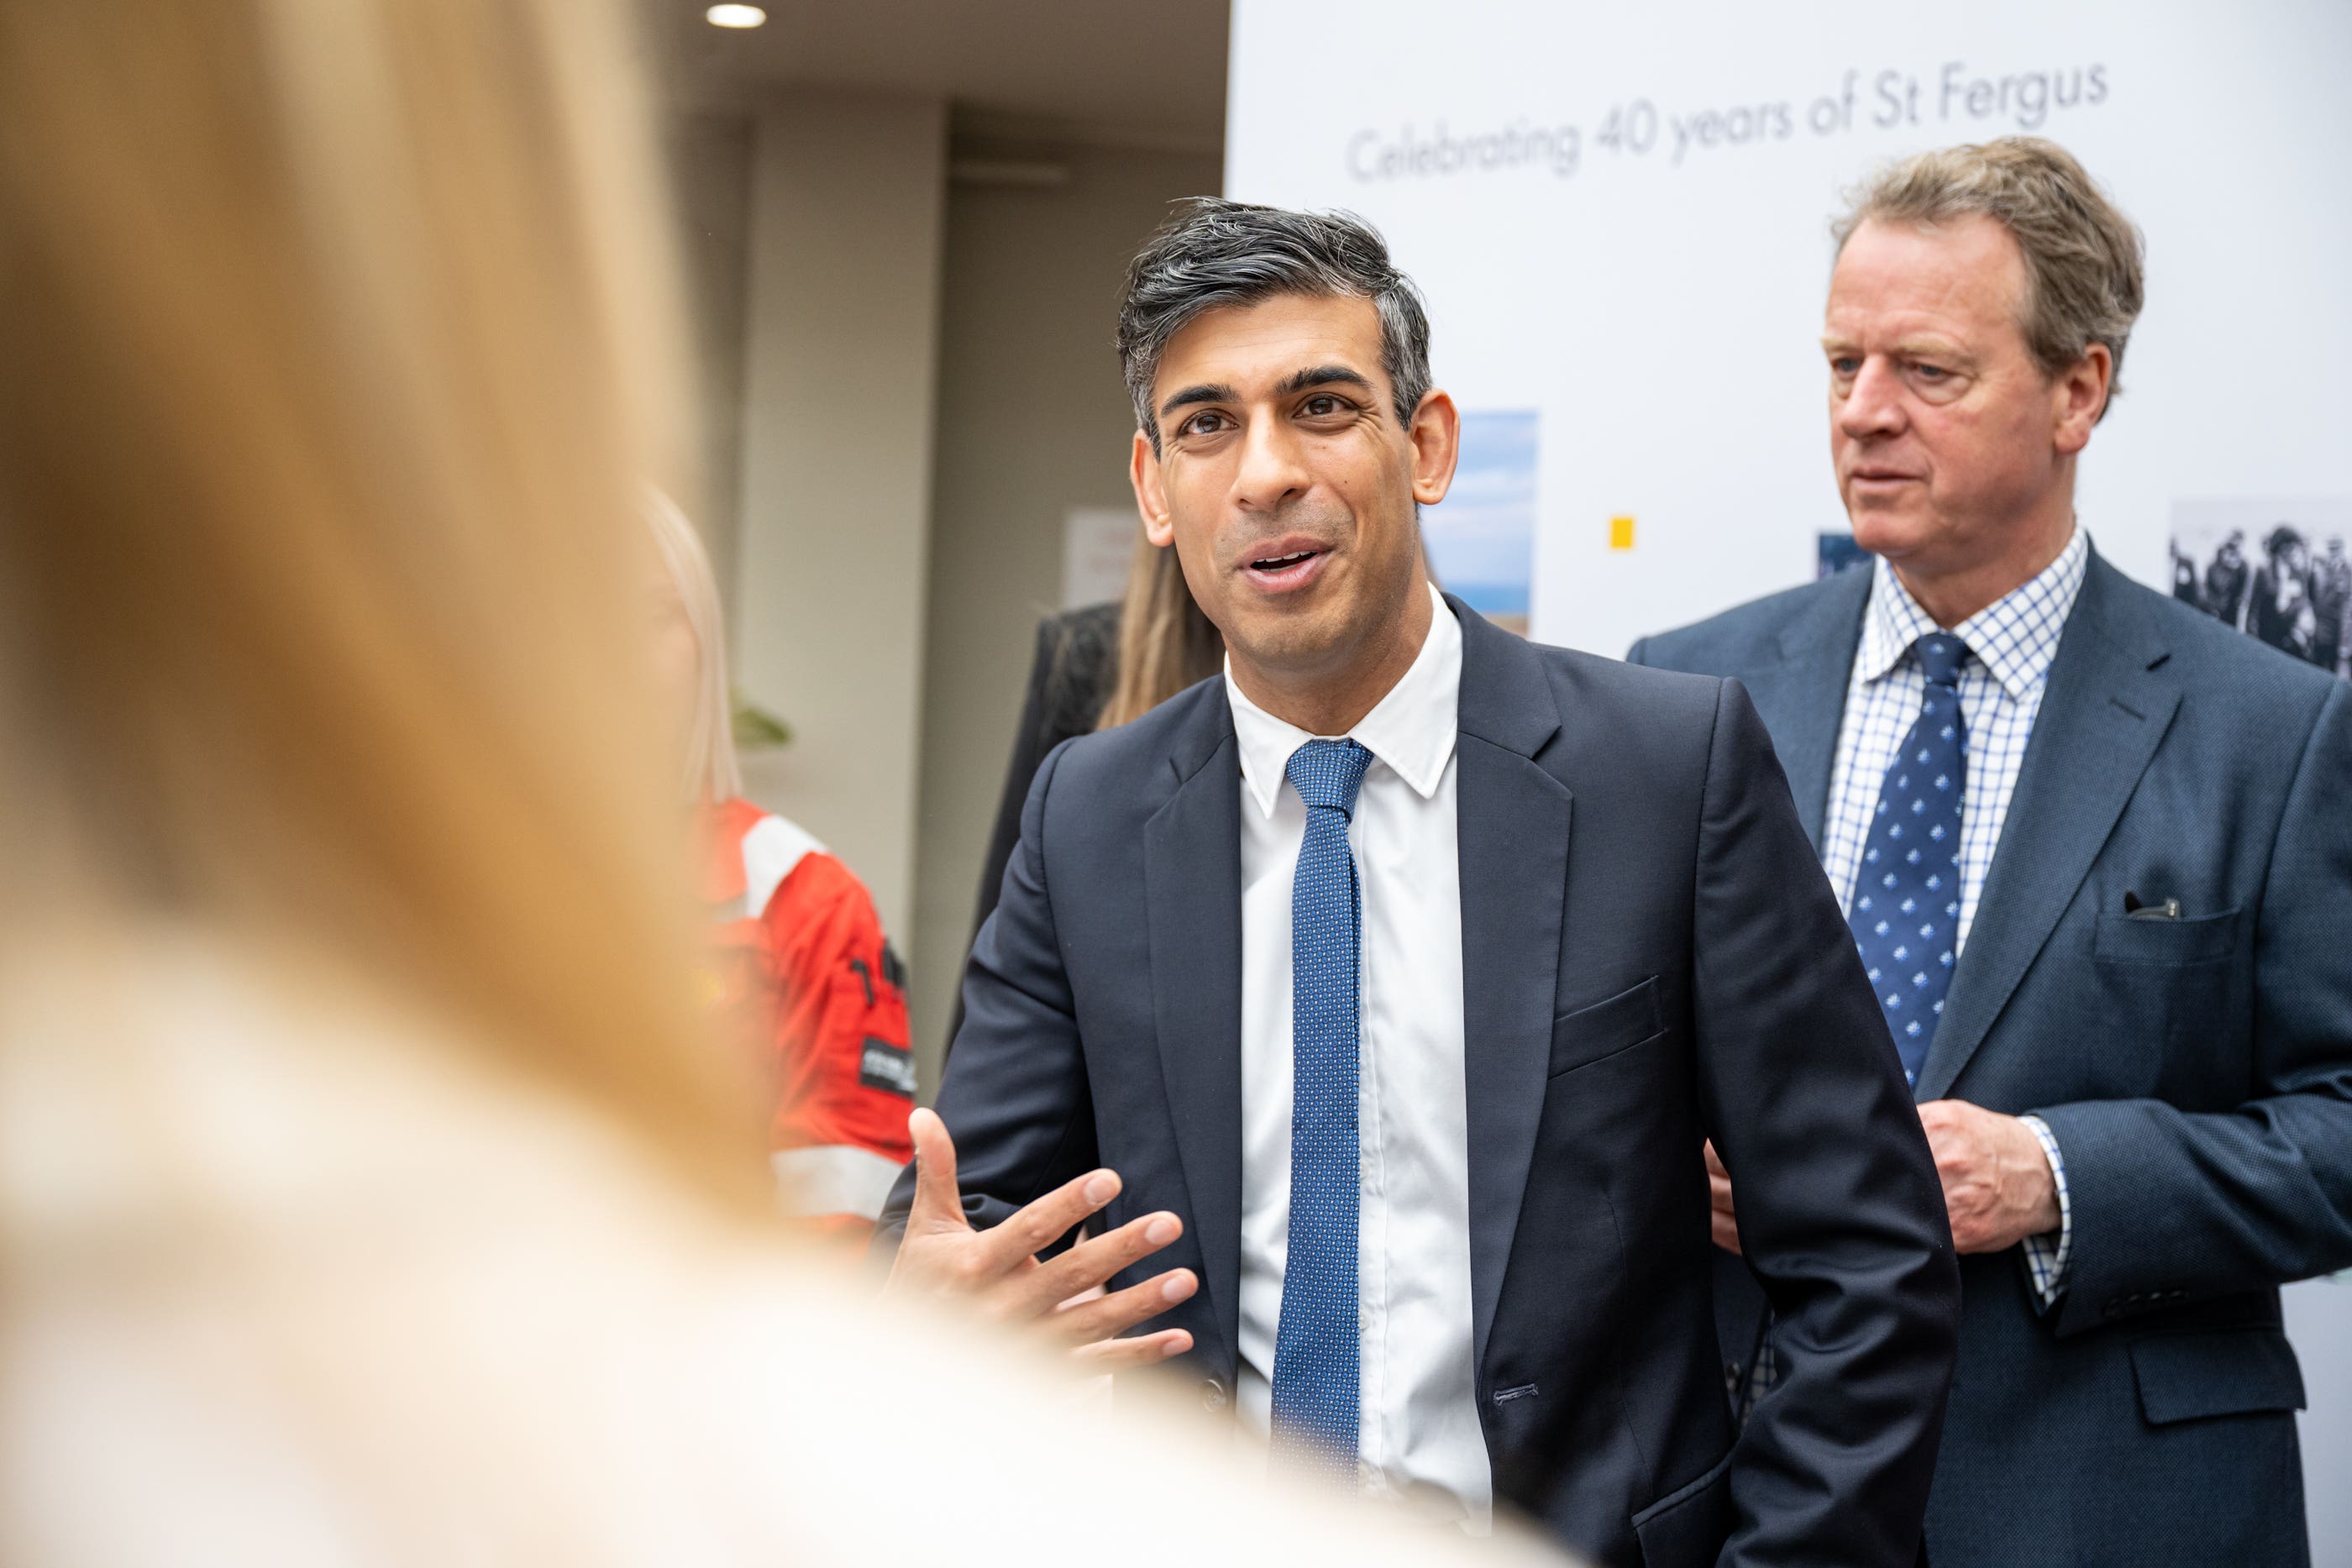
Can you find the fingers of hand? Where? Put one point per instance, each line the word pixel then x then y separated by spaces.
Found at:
pixel 1725 1232
pixel 1121 1310
pixel 1715 1162
pixel 1974 1231
pixel 1144 1350
pixel 938 1203
pixel 1101 1317
pixel 1097 1258
pixel 1954 1120
pixel 1969 1202
pixel 1041 1224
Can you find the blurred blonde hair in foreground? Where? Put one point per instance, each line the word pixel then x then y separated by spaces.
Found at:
pixel 367 1190
pixel 330 372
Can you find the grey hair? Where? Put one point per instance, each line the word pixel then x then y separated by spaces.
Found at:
pixel 1217 253
pixel 2082 257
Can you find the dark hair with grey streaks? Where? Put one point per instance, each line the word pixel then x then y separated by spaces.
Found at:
pixel 1216 252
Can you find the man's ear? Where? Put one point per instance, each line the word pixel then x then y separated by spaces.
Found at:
pixel 2082 397
pixel 1150 494
pixel 1436 437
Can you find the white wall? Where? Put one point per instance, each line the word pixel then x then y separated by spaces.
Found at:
pixel 1033 421
pixel 847 198
pixel 710 168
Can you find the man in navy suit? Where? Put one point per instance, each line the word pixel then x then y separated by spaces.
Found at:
pixel 2135 1061
pixel 1400 974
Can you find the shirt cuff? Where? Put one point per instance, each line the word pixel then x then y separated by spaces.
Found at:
pixel 2047 1254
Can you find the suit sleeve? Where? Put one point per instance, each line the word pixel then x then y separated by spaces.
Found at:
pixel 1014 1095
pixel 1841 1215
pixel 2171 1207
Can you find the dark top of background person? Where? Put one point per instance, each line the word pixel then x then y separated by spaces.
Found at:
pixel 1069 682
pixel 1096 666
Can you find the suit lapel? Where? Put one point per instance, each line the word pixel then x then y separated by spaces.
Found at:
pixel 1192 874
pixel 1512 821
pixel 1802 698
pixel 2106 710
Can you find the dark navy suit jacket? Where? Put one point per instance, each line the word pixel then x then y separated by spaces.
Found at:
pixel 1651 957
pixel 2197 1072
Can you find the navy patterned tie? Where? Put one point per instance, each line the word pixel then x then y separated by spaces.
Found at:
pixel 1906 898
pixel 1315 1358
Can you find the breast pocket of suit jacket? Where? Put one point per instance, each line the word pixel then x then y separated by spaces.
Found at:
pixel 2174 983
pixel 1624 1023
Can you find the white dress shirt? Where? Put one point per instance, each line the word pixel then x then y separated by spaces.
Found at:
pixel 2012 645
pixel 1419 1439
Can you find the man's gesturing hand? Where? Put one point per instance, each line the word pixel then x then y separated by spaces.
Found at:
pixel 997 1270
pixel 1997 1184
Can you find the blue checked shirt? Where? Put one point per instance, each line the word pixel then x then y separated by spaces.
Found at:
pixel 2011 645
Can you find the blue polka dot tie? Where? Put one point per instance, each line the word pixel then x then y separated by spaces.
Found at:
pixel 1315 1370
pixel 1907 898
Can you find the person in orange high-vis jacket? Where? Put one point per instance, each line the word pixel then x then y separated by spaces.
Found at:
pixel 798 971
pixel 800 967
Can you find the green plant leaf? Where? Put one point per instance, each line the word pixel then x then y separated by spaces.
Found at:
pixel 757 729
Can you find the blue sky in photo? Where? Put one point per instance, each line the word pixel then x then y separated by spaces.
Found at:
pixel 1482 536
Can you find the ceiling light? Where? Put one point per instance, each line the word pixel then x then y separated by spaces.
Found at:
pixel 735 16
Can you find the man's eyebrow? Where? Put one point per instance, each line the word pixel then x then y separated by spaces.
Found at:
pixel 1216 391
pixel 1941 349
pixel 1322 376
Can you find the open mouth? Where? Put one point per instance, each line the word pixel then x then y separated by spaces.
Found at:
pixel 1285 570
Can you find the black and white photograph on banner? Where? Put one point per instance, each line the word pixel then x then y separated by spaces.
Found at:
pixel 2279 569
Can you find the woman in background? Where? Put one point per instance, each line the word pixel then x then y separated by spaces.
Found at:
pixel 369 1190
pixel 797 971
pixel 1096 667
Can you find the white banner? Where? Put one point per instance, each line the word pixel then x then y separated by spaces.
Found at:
pixel 1620 216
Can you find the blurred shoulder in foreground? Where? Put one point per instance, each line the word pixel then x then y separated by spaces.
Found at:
pixel 291 1276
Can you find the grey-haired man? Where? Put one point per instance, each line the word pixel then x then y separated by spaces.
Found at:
pixel 1404 969
pixel 2095 853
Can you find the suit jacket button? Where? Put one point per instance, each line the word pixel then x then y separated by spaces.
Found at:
pixel 1731 1372
pixel 1212 1394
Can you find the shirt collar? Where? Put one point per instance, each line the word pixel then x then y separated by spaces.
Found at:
pixel 2015 637
pixel 1411 729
